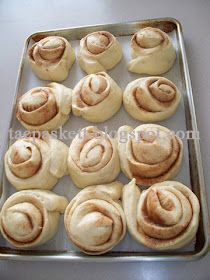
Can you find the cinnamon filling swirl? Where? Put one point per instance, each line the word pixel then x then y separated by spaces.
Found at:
pixel 94 89
pixel 161 90
pixel 165 216
pixel 148 38
pixel 94 222
pixel 151 160
pixel 24 159
pixel 98 42
pixel 37 106
pixel 92 152
pixel 48 50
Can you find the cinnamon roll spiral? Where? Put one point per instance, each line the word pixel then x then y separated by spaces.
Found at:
pixel 151 99
pixel 51 58
pixel 99 51
pixel 150 154
pixel 36 163
pixel 96 97
pixel 44 108
pixel 94 220
pixel 93 158
pixel 152 52
pixel 30 218
pixel 165 216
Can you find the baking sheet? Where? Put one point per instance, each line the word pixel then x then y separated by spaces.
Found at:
pixel 65 186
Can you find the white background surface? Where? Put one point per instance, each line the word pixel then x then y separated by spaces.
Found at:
pixel 20 18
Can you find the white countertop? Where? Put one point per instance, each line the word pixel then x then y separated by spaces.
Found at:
pixel 20 18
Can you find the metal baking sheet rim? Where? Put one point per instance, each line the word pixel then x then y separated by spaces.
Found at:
pixel 19 255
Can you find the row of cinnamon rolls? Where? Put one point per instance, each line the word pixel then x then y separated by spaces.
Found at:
pixel 151 49
pixel 149 153
pixel 163 217
pixel 96 98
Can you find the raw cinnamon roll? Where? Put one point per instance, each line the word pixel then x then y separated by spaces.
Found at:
pixel 93 158
pixel 150 154
pixel 165 216
pixel 94 220
pixel 30 218
pixel 151 99
pixel 152 52
pixel 51 58
pixel 44 108
pixel 99 51
pixel 96 97
pixel 36 163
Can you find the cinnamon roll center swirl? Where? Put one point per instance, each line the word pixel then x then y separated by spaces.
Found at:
pixel 152 147
pixel 164 213
pixel 34 100
pixel 97 42
pixel 51 48
pixel 163 207
pixel 95 154
pixel 98 83
pixel 95 89
pixel 91 219
pixel 162 90
pixel 48 50
pixel 148 38
pixel 92 151
pixel 37 106
pixel 24 159
pixel 22 222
